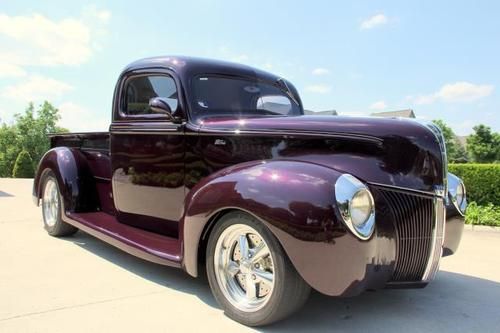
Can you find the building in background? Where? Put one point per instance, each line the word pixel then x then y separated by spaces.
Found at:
pixel 321 113
pixel 408 113
pixel 391 114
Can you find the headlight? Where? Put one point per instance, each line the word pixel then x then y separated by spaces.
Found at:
pixel 356 205
pixel 457 194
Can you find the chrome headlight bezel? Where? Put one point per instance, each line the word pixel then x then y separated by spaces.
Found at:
pixel 455 187
pixel 347 187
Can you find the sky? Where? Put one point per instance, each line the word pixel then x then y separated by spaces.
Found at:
pixel 439 58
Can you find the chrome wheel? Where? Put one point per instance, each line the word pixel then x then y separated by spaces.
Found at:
pixel 50 202
pixel 244 267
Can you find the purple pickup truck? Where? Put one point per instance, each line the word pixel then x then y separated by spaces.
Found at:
pixel 213 166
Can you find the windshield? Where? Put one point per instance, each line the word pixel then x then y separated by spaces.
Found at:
pixel 218 96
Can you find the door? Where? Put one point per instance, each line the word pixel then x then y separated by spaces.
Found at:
pixel 147 154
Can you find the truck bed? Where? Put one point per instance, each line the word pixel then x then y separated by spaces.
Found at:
pixel 93 147
pixel 88 140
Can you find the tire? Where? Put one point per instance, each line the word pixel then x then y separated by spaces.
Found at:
pixel 52 208
pixel 276 289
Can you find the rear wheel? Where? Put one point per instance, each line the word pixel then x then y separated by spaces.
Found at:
pixel 249 274
pixel 52 208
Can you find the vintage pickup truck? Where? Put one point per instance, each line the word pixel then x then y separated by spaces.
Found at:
pixel 213 164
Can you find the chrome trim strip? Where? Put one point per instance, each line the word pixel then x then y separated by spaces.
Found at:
pixel 145 132
pixel 131 128
pixel 438 233
pixel 405 189
pixel 146 128
pixel 230 131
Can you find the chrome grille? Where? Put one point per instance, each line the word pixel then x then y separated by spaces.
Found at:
pixel 419 234
pixel 438 238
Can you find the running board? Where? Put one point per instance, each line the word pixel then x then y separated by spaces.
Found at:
pixel 156 248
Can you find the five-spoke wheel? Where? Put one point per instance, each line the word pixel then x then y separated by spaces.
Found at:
pixel 250 275
pixel 244 267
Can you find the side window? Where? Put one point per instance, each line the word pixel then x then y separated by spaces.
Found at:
pixel 139 90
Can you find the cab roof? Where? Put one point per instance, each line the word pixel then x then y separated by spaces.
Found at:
pixel 187 67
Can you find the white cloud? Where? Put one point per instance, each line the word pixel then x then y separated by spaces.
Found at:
pixel 320 71
pixel 36 40
pixel 455 92
pixel 36 88
pixel 11 70
pixel 373 21
pixel 379 105
pixel 77 118
pixel 464 92
pixel 318 88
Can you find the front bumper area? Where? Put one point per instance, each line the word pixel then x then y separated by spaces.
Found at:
pixel 404 251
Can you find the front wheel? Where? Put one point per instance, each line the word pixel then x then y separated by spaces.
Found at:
pixel 52 208
pixel 250 275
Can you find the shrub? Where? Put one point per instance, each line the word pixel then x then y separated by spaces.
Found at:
pixel 23 168
pixel 483 215
pixel 482 181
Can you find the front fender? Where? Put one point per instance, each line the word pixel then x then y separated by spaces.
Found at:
pixel 292 198
pixel 75 181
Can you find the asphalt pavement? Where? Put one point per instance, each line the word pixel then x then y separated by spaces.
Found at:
pixel 81 284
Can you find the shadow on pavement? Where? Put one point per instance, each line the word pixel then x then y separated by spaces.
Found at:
pixel 451 303
pixel 169 277
pixel 5 194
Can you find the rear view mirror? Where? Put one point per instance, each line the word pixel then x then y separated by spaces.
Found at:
pixel 160 105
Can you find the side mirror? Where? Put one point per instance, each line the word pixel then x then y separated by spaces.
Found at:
pixel 160 105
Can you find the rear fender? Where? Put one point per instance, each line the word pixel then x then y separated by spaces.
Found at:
pixel 74 178
pixel 294 199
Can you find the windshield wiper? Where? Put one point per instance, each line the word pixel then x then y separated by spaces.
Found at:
pixel 284 88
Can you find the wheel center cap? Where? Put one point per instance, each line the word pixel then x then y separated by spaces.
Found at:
pixel 245 267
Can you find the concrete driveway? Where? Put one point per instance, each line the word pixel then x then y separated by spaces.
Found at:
pixel 80 284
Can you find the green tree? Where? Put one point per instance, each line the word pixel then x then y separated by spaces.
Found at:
pixel 484 145
pixel 28 132
pixel 454 149
pixel 9 149
pixel 23 168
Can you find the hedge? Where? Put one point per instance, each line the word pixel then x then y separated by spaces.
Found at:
pixel 24 166
pixel 482 181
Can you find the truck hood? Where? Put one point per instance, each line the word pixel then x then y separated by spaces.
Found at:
pixel 393 152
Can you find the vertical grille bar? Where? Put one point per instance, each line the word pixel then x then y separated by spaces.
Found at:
pixel 437 247
pixel 419 224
